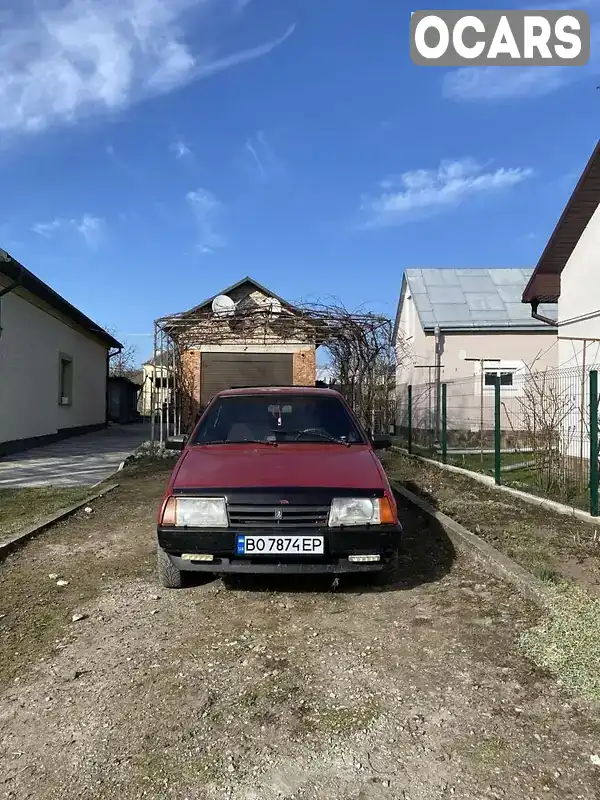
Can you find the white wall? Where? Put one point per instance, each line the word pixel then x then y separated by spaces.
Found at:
pixel 580 297
pixel 30 343
pixel 579 318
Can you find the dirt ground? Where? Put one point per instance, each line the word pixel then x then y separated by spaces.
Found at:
pixel 548 544
pixel 274 689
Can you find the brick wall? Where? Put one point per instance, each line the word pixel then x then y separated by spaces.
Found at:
pixel 305 367
pixel 191 388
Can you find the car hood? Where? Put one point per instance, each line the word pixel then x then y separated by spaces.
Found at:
pixel 243 466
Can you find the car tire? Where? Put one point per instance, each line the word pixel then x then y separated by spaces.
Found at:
pixel 230 581
pixel 389 574
pixel 168 575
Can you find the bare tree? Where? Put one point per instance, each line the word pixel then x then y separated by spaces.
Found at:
pixel 547 416
pixel 363 358
pixel 123 363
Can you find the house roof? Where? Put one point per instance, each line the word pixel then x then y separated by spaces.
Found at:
pixel 544 284
pixel 162 359
pixel 21 276
pixel 234 286
pixel 124 379
pixel 470 299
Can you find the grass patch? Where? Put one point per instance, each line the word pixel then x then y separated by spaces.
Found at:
pixel 490 752
pixel 20 508
pixel 345 721
pixel 550 545
pixel 548 575
pixel 567 642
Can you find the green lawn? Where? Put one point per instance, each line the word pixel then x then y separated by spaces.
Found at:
pixel 569 488
pixel 22 507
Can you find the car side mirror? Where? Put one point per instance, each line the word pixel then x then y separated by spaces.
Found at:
pixel 381 442
pixel 176 442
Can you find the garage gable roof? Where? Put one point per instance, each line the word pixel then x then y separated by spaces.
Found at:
pixel 251 282
pixel 544 285
pixel 21 276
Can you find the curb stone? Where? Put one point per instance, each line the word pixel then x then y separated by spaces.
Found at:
pixel 475 547
pixel 20 538
pixel 541 502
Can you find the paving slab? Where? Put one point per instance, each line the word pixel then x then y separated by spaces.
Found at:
pixel 78 461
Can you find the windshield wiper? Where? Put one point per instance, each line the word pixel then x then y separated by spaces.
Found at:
pixel 328 437
pixel 270 442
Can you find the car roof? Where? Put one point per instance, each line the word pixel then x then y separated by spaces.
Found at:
pixel 258 390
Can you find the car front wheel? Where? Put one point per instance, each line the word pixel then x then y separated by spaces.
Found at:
pixel 168 575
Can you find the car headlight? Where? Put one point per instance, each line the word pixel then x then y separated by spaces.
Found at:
pixel 196 512
pixel 354 511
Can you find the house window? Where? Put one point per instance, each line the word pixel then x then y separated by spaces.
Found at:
pixel 65 380
pixel 506 377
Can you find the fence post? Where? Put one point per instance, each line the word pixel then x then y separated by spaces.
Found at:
pixel 410 418
pixel 444 425
pixel 594 443
pixel 497 430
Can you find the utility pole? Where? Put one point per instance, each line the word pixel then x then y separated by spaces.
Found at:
pixel 482 362
pixel 437 367
pixel 438 383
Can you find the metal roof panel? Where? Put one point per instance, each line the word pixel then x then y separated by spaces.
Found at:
pixel 477 298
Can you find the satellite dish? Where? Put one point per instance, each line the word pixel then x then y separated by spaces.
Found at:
pixel 274 306
pixel 223 306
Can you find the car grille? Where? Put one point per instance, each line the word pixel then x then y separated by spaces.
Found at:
pixel 278 517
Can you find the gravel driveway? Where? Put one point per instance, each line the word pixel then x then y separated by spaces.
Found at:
pixel 271 689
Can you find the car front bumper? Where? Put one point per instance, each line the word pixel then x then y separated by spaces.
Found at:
pixel 339 545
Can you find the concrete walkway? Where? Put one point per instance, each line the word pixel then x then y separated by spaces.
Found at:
pixel 79 461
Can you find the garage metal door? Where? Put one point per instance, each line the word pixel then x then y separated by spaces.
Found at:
pixel 224 370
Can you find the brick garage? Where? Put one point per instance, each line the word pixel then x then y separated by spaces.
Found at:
pixel 241 359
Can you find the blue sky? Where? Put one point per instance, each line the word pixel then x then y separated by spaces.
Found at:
pixel 155 151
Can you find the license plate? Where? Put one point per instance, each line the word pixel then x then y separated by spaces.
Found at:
pixel 279 545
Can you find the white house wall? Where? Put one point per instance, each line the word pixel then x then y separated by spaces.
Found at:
pixel 579 319
pixel 30 343
pixel 579 302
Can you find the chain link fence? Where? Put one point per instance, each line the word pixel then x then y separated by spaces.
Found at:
pixel 535 431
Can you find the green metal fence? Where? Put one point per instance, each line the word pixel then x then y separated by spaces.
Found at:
pixel 537 432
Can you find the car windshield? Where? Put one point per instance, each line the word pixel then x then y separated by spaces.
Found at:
pixel 277 420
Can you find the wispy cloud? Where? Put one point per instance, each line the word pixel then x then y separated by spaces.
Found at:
pixel 46 229
pixel 501 83
pixel 207 210
pixel 425 192
pixel 490 84
pixel 180 149
pixel 264 160
pixel 61 61
pixel 255 157
pixel 88 226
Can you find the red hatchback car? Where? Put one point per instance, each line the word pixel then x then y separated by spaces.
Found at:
pixel 278 480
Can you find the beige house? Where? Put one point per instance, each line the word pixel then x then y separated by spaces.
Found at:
pixel 53 363
pixel 156 379
pixel 464 327
pixel 244 336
